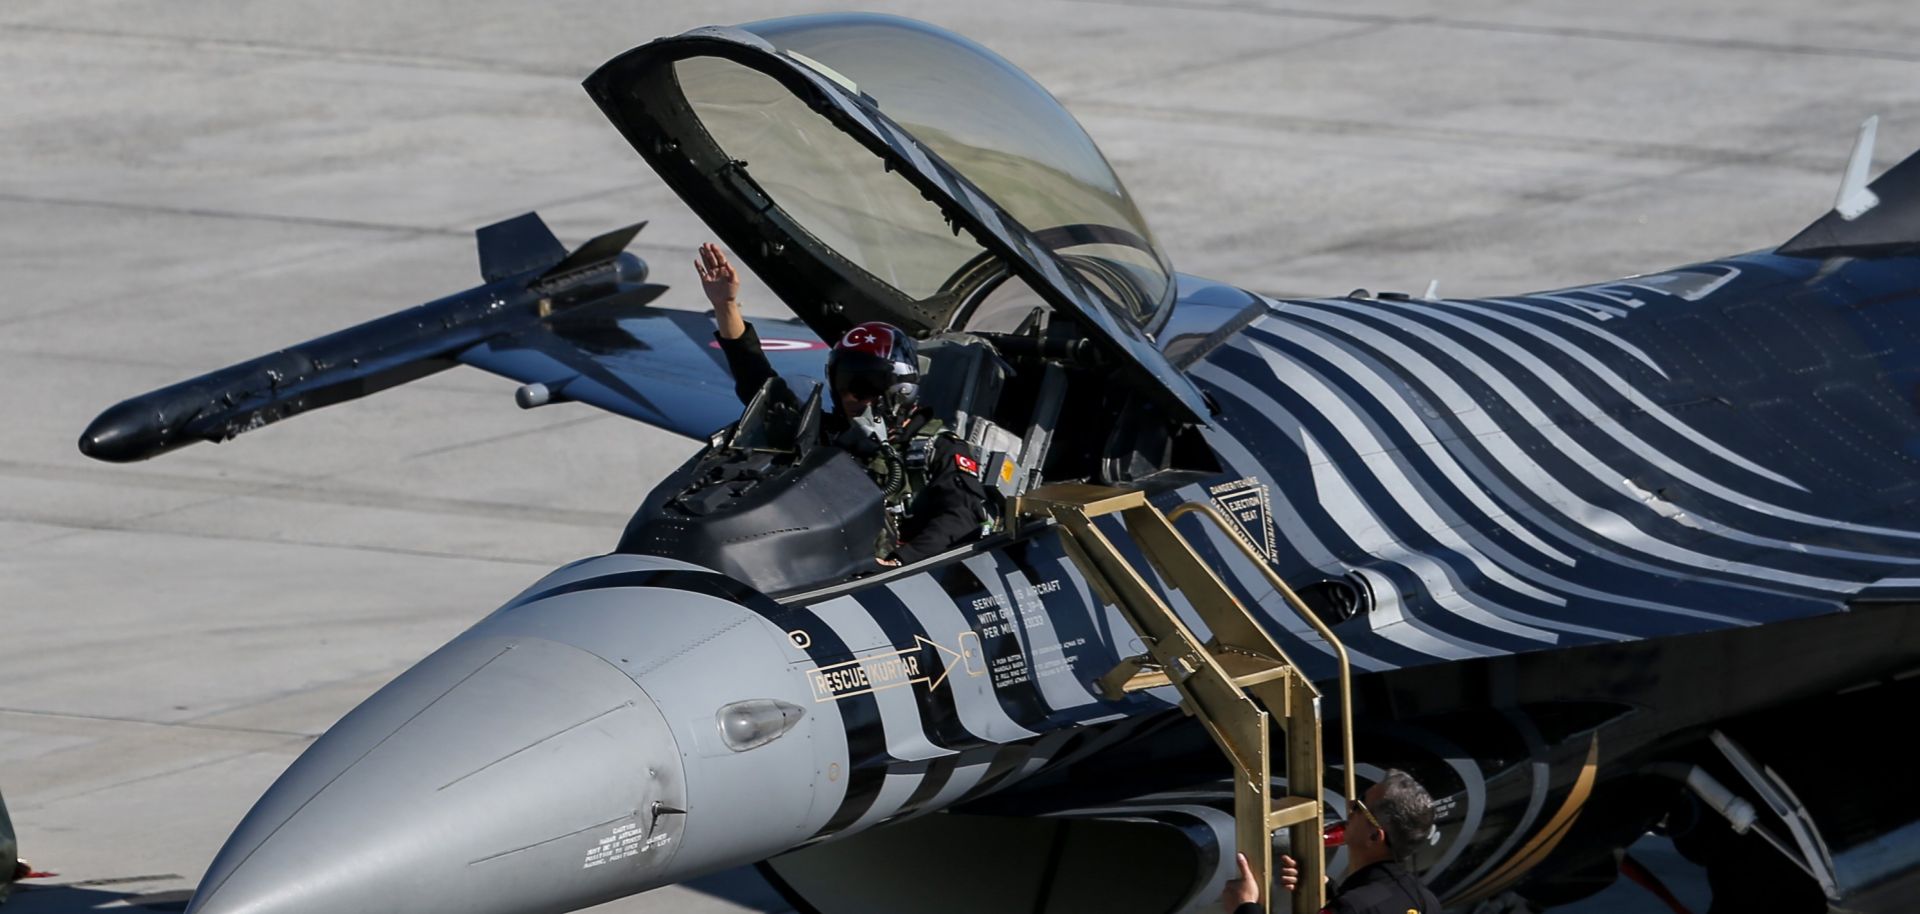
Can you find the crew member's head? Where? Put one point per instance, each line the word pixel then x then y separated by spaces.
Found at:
pixel 1389 822
pixel 875 364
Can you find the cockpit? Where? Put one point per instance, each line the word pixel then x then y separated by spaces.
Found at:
pixel 875 168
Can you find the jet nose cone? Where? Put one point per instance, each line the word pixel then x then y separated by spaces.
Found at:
pixel 498 775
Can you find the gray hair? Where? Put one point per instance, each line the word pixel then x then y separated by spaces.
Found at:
pixel 1406 812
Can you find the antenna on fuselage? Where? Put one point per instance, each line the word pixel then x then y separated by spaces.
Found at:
pixel 1854 198
pixel 1869 219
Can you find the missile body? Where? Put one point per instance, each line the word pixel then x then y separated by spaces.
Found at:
pixel 375 355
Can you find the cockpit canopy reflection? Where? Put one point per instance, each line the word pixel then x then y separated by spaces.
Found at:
pixel 973 109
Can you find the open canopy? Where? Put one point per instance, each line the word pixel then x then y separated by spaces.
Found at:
pixel 876 168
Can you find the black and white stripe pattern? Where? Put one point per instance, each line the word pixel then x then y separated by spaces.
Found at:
pixel 1501 476
pixel 1518 470
pixel 1716 447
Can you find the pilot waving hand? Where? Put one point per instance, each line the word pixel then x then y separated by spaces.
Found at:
pixel 873 375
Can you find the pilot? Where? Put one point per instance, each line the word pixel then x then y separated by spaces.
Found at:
pixel 1383 828
pixel 873 374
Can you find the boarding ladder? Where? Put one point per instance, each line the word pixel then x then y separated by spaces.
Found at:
pixel 1237 682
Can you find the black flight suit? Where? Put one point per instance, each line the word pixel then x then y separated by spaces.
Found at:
pixel 941 514
pixel 948 508
pixel 1379 888
pixel 750 369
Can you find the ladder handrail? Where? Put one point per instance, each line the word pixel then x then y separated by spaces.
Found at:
pixel 1300 609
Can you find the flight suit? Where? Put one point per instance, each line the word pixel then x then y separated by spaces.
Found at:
pixel 944 500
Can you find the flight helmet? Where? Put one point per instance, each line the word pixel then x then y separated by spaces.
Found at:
pixel 879 363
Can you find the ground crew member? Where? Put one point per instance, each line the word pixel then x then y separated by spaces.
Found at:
pixel 1383 827
pixel 873 374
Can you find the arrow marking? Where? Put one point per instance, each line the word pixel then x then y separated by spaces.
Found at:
pixel 895 668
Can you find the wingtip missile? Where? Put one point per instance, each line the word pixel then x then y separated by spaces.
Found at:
pixel 384 352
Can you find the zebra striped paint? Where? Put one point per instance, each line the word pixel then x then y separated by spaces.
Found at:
pixel 1490 472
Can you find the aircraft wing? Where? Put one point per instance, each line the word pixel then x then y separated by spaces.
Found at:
pixel 657 365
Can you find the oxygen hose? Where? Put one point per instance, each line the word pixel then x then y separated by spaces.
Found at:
pixel 896 481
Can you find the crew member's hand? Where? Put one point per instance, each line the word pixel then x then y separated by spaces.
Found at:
pixel 722 285
pixel 1241 890
pixel 889 562
pixel 1289 872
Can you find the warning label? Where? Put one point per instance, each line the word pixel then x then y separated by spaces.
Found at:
pixel 1247 502
pixel 996 618
pixel 628 840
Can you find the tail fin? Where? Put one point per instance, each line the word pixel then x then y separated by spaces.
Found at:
pixel 601 249
pixel 516 246
pixel 1869 219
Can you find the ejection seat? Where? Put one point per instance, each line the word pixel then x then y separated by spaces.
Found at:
pixel 960 380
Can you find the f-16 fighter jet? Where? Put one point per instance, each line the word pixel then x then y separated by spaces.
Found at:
pixel 1599 557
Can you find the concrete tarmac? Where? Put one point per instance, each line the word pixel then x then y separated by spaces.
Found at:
pixel 184 185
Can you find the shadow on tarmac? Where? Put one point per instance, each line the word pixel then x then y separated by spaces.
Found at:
pixel 29 898
pixel 742 886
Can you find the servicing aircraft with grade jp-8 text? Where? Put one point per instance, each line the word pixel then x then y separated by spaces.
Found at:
pixel 1601 559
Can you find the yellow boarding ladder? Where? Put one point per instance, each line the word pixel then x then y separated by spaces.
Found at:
pixel 1235 682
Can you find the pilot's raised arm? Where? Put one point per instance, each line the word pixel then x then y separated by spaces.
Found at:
pixel 738 341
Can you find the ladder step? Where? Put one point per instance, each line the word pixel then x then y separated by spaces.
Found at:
pixel 1144 680
pixel 1091 500
pixel 1244 669
pixel 1131 675
pixel 1288 811
pixel 1251 669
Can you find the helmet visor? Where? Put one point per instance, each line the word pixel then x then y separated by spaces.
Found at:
pixel 865 379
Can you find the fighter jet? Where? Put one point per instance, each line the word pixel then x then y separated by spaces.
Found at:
pixel 1631 555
